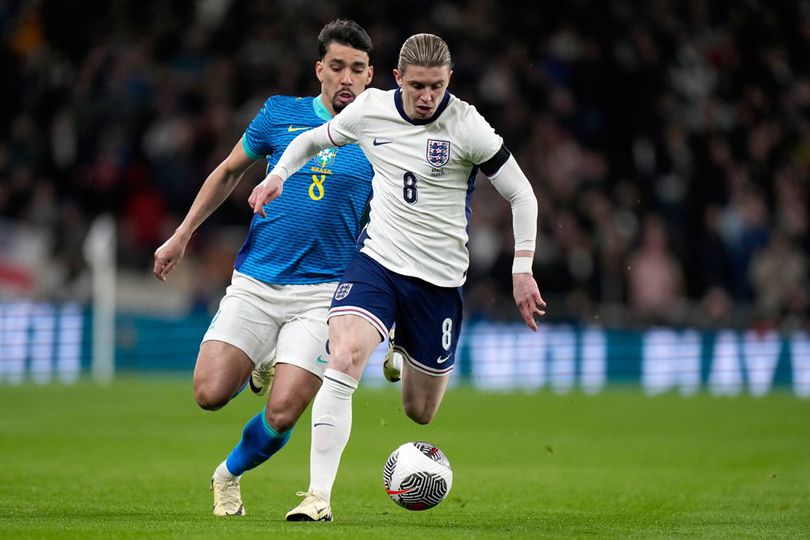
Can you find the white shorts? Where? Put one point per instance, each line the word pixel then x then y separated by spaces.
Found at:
pixel 279 323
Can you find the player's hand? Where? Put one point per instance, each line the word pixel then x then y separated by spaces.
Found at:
pixel 528 299
pixel 267 190
pixel 169 254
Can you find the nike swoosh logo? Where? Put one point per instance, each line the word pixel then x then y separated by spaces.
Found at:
pixel 292 129
pixel 320 510
pixel 380 143
pixel 323 424
pixel 441 360
pixel 320 359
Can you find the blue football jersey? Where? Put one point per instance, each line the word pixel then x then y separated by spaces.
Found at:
pixel 310 231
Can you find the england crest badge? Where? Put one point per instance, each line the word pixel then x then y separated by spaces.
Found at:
pixel 343 291
pixel 438 152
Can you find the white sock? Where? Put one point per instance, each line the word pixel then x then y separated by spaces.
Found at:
pixel 222 472
pixel 331 426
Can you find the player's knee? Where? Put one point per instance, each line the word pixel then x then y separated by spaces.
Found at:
pixel 419 412
pixel 421 417
pixel 280 420
pixel 347 356
pixel 209 397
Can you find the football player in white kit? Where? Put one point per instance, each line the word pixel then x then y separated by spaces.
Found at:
pixel 426 147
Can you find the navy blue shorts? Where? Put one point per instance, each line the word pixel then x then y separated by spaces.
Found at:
pixel 427 317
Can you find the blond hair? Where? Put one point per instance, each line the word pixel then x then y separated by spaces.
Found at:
pixel 425 50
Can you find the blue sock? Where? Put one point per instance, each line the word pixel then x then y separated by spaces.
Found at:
pixel 259 442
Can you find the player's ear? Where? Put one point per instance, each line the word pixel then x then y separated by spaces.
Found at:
pixel 319 70
pixel 398 77
pixel 369 75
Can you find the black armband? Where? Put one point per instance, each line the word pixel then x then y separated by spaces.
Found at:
pixel 494 164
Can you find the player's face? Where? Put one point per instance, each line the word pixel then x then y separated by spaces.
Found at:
pixel 344 72
pixel 422 89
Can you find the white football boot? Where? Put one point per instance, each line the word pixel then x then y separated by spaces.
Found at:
pixel 262 377
pixel 314 507
pixel 227 496
pixel 392 365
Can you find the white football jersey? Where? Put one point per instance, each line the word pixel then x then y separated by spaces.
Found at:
pixel 423 181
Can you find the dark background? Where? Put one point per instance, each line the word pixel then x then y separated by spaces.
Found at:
pixel 668 143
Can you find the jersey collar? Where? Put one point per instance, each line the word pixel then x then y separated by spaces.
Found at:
pixel 320 109
pixel 439 110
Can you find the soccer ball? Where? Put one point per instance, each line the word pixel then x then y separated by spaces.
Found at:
pixel 417 476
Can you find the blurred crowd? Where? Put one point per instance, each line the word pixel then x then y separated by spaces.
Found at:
pixel 668 142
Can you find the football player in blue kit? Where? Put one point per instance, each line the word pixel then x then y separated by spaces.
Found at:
pixel 426 147
pixel 271 322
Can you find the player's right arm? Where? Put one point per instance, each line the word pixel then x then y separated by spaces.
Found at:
pixel 297 153
pixel 216 188
pixel 339 131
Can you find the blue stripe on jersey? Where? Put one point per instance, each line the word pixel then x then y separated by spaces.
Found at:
pixel 468 201
pixel 310 231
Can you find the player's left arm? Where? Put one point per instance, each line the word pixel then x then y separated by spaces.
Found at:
pixel 510 182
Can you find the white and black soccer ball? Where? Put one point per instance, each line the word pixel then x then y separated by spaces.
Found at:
pixel 417 476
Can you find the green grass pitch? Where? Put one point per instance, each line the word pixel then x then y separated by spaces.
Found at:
pixel 133 460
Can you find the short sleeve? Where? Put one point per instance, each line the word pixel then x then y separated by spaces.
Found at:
pixel 256 141
pixel 345 128
pixel 481 141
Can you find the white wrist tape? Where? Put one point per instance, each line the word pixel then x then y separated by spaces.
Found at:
pixel 281 172
pixel 522 265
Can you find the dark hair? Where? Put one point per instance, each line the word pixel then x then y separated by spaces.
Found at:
pixel 345 32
